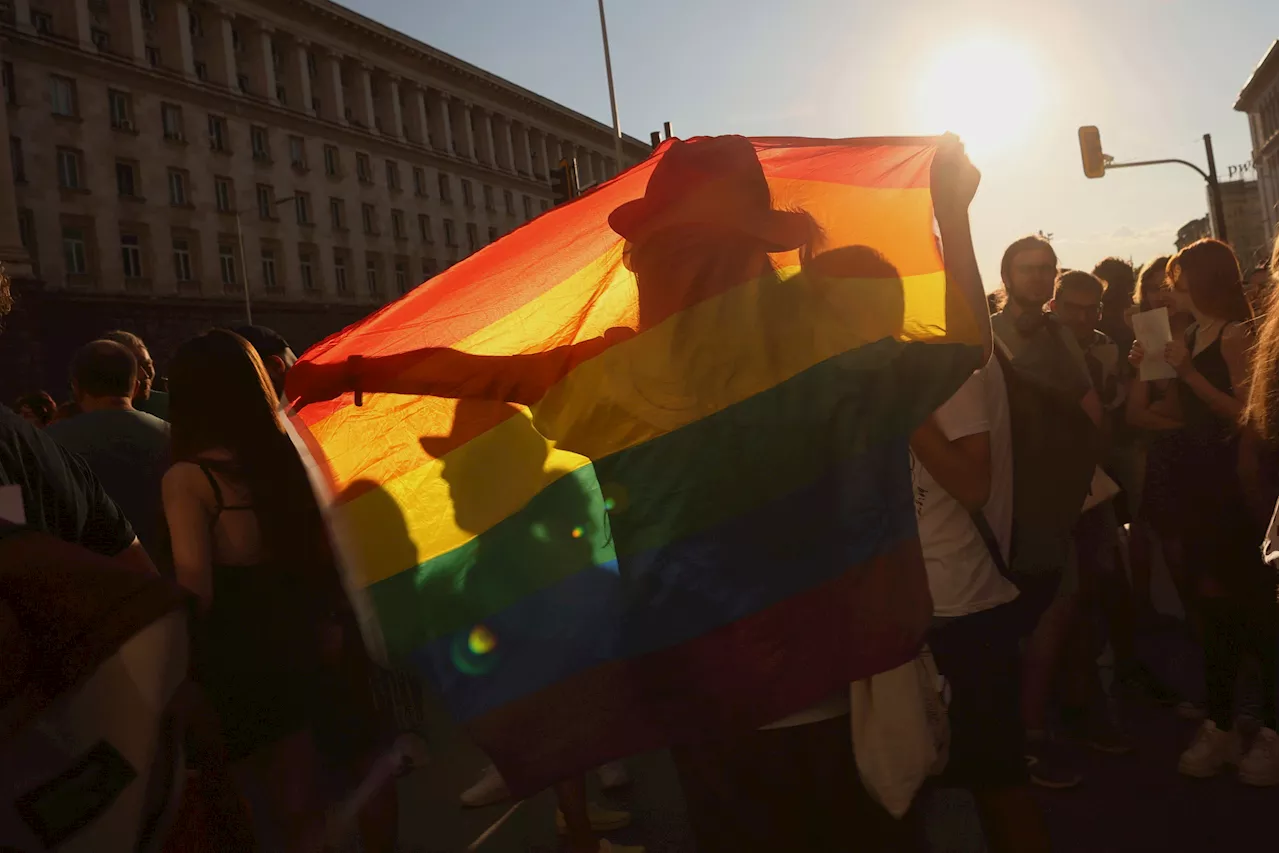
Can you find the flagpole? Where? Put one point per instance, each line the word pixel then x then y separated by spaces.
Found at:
pixel 613 101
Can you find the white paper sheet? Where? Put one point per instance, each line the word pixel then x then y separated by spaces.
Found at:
pixel 1152 329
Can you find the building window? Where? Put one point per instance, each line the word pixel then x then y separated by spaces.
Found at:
pixel 428 268
pixel 269 268
pixel 42 22
pixel 473 237
pixel 332 164
pixel 73 251
pixel 371 275
pixel 126 179
pixel 236 43
pixel 311 65
pixel 217 133
pixel 282 95
pixel 297 152
pixel 171 119
pixel 101 39
pixel 222 194
pixel 148 11
pixel 10 83
pixel 195 25
pixel 131 255
pixel 509 200
pixel 393 175
pixel 182 259
pixel 27 234
pixel 62 96
pixel 302 207
pixel 369 216
pixel 153 56
pixel 69 168
pixel 339 271
pixel 266 201
pixel 446 193
pixel 337 214
pixel 177 188
pixel 488 198
pixel 420 181
pixel 227 263
pixel 363 172
pixel 15 158
pixel 424 228
pixel 305 272
pixel 493 234
pixel 543 205
pixel 121 106
pixel 402 278
pixel 450 236
pixel 528 207
pixel 202 71
pixel 260 143
pixel 242 81
pixel 467 198
pixel 397 224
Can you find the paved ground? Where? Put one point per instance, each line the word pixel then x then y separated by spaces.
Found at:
pixel 1128 803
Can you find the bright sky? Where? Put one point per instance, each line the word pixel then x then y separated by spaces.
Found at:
pixel 1012 77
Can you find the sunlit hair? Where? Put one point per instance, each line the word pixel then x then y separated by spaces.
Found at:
pixel 1151 277
pixel 1119 277
pixel 220 398
pixel 1213 279
pixel 1017 247
pixel 1080 281
pixel 1260 409
pixel 127 339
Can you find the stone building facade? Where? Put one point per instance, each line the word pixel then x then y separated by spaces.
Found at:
pixel 294 155
pixel 1260 101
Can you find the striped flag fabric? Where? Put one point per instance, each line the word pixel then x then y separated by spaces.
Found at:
pixel 637 472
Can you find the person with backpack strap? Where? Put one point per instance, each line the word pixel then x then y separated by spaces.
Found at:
pixel 1054 415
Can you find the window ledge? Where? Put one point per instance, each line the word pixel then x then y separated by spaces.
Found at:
pixel 132 199
pixel 186 206
pixel 226 152
pixel 129 131
pixel 71 192
pixel 175 140
pixel 301 168
pixel 66 118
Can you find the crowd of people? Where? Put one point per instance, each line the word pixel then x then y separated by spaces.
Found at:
pixel 201 484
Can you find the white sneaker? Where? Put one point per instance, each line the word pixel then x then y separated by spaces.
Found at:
pixel 1258 767
pixel 613 775
pixel 490 789
pixel 1207 753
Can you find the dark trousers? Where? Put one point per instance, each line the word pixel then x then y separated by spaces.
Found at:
pixel 792 789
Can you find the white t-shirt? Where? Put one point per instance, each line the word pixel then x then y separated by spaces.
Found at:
pixel 962 576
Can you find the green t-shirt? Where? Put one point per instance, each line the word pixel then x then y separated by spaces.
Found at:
pixel 1050 353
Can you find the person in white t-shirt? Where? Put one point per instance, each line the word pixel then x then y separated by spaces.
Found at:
pixel 962 464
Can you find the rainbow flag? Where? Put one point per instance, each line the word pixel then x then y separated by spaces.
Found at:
pixel 612 493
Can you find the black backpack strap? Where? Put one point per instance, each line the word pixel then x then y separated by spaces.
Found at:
pixel 993 545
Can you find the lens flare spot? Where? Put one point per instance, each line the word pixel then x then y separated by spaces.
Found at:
pixel 481 641
pixel 615 497
pixel 577 532
pixel 540 532
pixel 476 652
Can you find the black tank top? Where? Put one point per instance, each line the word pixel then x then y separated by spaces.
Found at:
pixel 1202 422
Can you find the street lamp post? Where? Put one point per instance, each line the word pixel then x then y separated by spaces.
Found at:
pixel 613 101
pixel 244 268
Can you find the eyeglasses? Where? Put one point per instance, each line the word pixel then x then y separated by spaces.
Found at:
pixel 1084 312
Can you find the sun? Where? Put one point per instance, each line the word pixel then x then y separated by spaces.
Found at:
pixel 985 89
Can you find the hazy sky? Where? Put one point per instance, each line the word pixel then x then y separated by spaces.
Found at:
pixel 1017 77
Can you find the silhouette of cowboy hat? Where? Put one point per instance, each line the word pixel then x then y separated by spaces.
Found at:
pixel 715 181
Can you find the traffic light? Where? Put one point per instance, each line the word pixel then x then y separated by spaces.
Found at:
pixel 1091 156
pixel 564 183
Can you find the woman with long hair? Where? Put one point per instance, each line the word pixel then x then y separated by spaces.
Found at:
pixel 249 541
pixel 1236 593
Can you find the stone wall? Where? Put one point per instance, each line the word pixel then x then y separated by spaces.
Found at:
pixel 46 327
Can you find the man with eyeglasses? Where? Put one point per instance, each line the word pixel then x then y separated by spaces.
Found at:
pixel 1039 345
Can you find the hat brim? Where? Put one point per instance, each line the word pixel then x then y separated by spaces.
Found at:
pixel 778 230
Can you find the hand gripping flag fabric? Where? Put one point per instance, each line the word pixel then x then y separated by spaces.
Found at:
pixel 636 473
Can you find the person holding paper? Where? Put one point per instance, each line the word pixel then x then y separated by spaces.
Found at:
pixel 1077 301
pixel 1237 593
